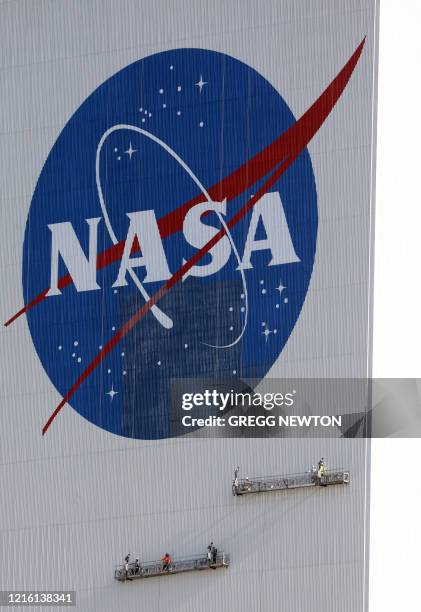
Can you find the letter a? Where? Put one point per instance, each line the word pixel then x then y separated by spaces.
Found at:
pixel 144 227
pixel 278 239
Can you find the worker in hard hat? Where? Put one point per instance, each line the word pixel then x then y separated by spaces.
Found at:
pixel 209 553
pixel 236 483
pixel 214 555
pixel 236 477
pixel 126 563
pixel 321 471
pixel 166 562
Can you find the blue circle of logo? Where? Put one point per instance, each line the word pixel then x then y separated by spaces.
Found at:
pixel 157 166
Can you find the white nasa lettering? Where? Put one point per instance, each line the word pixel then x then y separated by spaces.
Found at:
pixel 64 242
pixel 198 234
pixel 278 239
pixel 144 227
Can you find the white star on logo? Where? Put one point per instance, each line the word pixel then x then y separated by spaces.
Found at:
pixel 200 83
pixel 266 333
pixel 280 288
pixel 112 393
pixel 130 151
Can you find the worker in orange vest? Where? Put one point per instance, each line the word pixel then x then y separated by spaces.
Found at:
pixel 166 561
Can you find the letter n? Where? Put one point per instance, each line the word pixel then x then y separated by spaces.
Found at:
pixel 82 269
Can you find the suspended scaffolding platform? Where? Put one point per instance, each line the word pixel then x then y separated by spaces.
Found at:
pixel 243 486
pixel 148 569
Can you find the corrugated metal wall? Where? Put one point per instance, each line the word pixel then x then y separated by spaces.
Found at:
pixel 74 502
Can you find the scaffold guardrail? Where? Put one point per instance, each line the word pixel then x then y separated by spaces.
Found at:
pixel 148 569
pixel 243 486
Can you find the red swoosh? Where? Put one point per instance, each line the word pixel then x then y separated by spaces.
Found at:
pixel 232 185
pixel 278 157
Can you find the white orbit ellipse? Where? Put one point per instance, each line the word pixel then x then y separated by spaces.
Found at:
pixel 160 316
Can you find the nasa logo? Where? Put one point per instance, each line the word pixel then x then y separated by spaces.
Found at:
pixel 171 234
